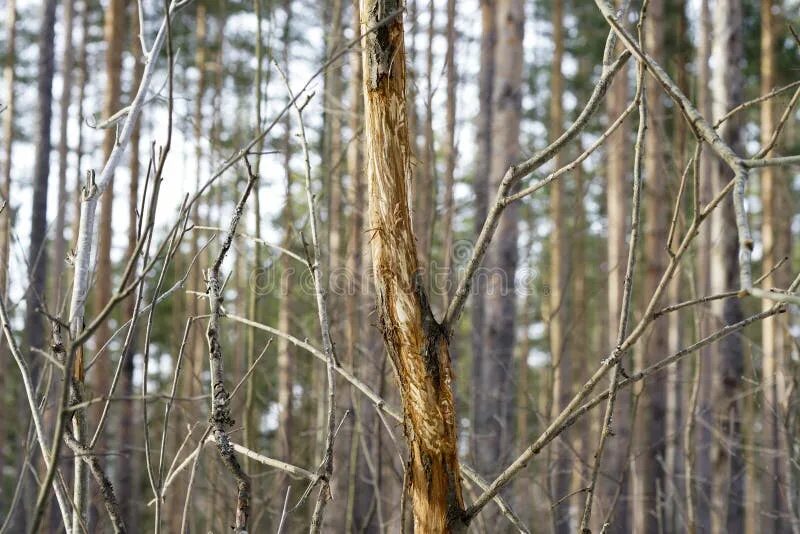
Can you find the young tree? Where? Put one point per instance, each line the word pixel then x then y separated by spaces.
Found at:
pixel 415 342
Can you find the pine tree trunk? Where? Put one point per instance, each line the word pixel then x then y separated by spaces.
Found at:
pixel 59 243
pixel 115 31
pixel 128 493
pixel 650 432
pixel 728 462
pixel 5 215
pixel 450 153
pixel 702 445
pixel 284 433
pixel 495 414
pixel 775 223
pixel 617 194
pixel 36 335
pixel 558 300
pixel 8 142
pixel 415 342
pixel 480 189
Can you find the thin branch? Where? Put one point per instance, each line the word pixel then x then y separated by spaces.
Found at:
pixel 314 264
pixel 627 291
pixel 221 419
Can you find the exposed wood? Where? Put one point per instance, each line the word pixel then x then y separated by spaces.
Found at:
pixel 416 343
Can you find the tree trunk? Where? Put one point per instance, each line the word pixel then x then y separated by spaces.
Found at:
pixel 415 342
pixel 250 425
pixel 128 487
pixel 561 469
pixel 480 187
pixel 285 433
pixel 451 154
pixel 8 140
pixel 115 31
pixel 35 335
pixel 728 462
pixel 425 187
pixel 59 243
pixel 650 432
pixel 617 194
pixel 495 414
pixel 6 216
pixel 775 223
pixel 702 445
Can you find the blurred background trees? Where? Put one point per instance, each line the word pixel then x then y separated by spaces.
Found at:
pixel 713 442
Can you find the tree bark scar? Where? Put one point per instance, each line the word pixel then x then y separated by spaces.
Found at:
pixel 434 333
pixel 380 42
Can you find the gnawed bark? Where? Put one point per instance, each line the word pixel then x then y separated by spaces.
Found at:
pixel 415 342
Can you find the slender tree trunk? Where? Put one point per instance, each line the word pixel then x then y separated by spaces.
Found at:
pixel 115 31
pixel 8 141
pixel 35 335
pixel 561 469
pixel 650 433
pixel 581 328
pixel 451 154
pixel 8 101
pixel 250 425
pixel 364 477
pixel 702 417
pixel 59 243
pixel 425 189
pixel 416 343
pixel 676 394
pixel 128 487
pixel 495 414
pixel 774 224
pixel 617 194
pixel 728 462
pixel 332 145
pixel 35 328
pixel 480 189
pixel 285 431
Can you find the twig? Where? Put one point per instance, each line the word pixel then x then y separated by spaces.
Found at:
pixel 627 291
pixel 220 407
pixel 106 489
pixel 314 264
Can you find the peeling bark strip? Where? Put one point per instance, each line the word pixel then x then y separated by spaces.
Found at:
pixel 414 340
pixel 220 418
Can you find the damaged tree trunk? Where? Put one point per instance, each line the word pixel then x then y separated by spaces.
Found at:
pixel 416 343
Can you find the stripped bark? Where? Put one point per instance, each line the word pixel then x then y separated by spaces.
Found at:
pixel 416 343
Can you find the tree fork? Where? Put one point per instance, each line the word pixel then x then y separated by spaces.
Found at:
pixel 415 341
